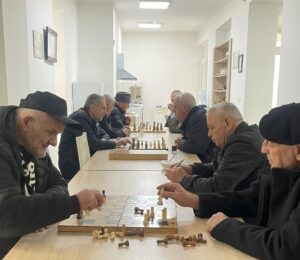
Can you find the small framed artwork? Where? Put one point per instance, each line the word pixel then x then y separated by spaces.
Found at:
pixel 50 45
pixel 240 63
pixel 38 44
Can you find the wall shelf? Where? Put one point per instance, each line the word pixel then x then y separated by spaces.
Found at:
pixel 221 72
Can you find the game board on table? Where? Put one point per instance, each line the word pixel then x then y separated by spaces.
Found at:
pixel 127 154
pixel 119 210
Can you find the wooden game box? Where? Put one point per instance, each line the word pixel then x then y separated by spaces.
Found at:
pixel 118 210
pixel 126 154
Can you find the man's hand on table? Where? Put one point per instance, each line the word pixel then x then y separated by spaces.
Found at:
pixel 214 220
pixel 176 192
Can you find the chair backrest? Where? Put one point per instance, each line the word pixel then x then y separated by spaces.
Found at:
pixel 83 149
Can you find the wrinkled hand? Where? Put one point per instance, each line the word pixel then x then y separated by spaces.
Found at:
pixel 214 220
pixel 90 199
pixel 178 141
pixel 126 130
pixel 175 174
pixel 122 141
pixel 176 192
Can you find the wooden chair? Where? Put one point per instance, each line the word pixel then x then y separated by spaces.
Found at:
pixel 83 149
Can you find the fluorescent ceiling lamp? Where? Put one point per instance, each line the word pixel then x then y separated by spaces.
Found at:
pixel 154 4
pixel 149 25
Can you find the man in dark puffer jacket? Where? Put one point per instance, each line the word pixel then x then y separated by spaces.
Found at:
pixel 33 194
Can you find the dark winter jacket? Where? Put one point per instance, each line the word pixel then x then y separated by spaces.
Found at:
pixel 195 139
pixel 21 214
pixel 234 167
pixel 117 117
pixel 275 201
pixel 97 140
pixel 105 124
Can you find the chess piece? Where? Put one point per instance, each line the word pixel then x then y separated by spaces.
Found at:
pixel 112 236
pixel 186 243
pixel 158 145
pixel 148 214
pixel 138 145
pixel 147 125
pixel 152 214
pixel 164 219
pixel 150 128
pixel 159 201
pixel 137 210
pixel 97 235
pixel 134 127
pixel 142 144
pixel 123 244
pixel 162 242
pixel 146 145
pixel 103 193
pixel 157 128
pixel 146 221
pixel 150 145
pixel 161 127
pixel 154 144
pixel 79 215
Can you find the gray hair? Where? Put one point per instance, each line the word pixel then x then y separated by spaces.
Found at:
pixel 93 99
pixel 176 92
pixel 187 99
pixel 228 110
pixel 108 98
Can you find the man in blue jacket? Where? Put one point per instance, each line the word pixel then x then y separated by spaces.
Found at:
pixel 273 199
pixel 88 116
pixel 194 127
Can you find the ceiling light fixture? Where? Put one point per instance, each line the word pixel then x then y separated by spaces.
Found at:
pixel 154 4
pixel 149 25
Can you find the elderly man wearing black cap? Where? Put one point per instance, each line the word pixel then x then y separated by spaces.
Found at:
pixel 33 193
pixel 273 199
pixel 117 116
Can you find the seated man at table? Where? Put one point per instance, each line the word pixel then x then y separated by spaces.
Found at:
pixel 88 116
pixel 273 199
pixel 195 139
pixel 172 122
pixel 105 123
pixel 118 119
pixel 33 194
pixel 238 161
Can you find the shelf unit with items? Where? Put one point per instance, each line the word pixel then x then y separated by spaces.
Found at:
pixel 221 72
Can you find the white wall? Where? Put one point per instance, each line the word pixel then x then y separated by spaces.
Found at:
pixel 289 77
pixel 162 62
pixel 95 44
pixel 41 73
pixel 3 86
pixel 237 11
pixel 261 50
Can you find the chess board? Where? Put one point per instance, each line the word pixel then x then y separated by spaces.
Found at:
pixel 127 154
pixel 119 210
pixel 148 131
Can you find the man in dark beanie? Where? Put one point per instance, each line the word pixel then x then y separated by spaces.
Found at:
pixel 273 199
pixel 33 193
pixel 117 116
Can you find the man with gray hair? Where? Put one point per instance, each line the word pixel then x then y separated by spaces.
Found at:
pixel 194 128
pixel 105 123
pixel 172 122
pixel 238 161
pixel 88 116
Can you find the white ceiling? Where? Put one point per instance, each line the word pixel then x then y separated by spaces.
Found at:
pixel 182 15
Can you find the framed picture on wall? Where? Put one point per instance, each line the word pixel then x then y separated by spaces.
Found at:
pixel 38 44
pixel 50 45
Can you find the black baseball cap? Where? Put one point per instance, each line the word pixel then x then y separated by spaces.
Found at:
pixel 50 104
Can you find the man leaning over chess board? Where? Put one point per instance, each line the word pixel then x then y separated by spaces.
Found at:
pixel 238 161
pixel 33 193
pixel 273 199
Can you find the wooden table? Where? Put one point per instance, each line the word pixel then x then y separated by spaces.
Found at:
pixel 100 161
pixel 51 245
